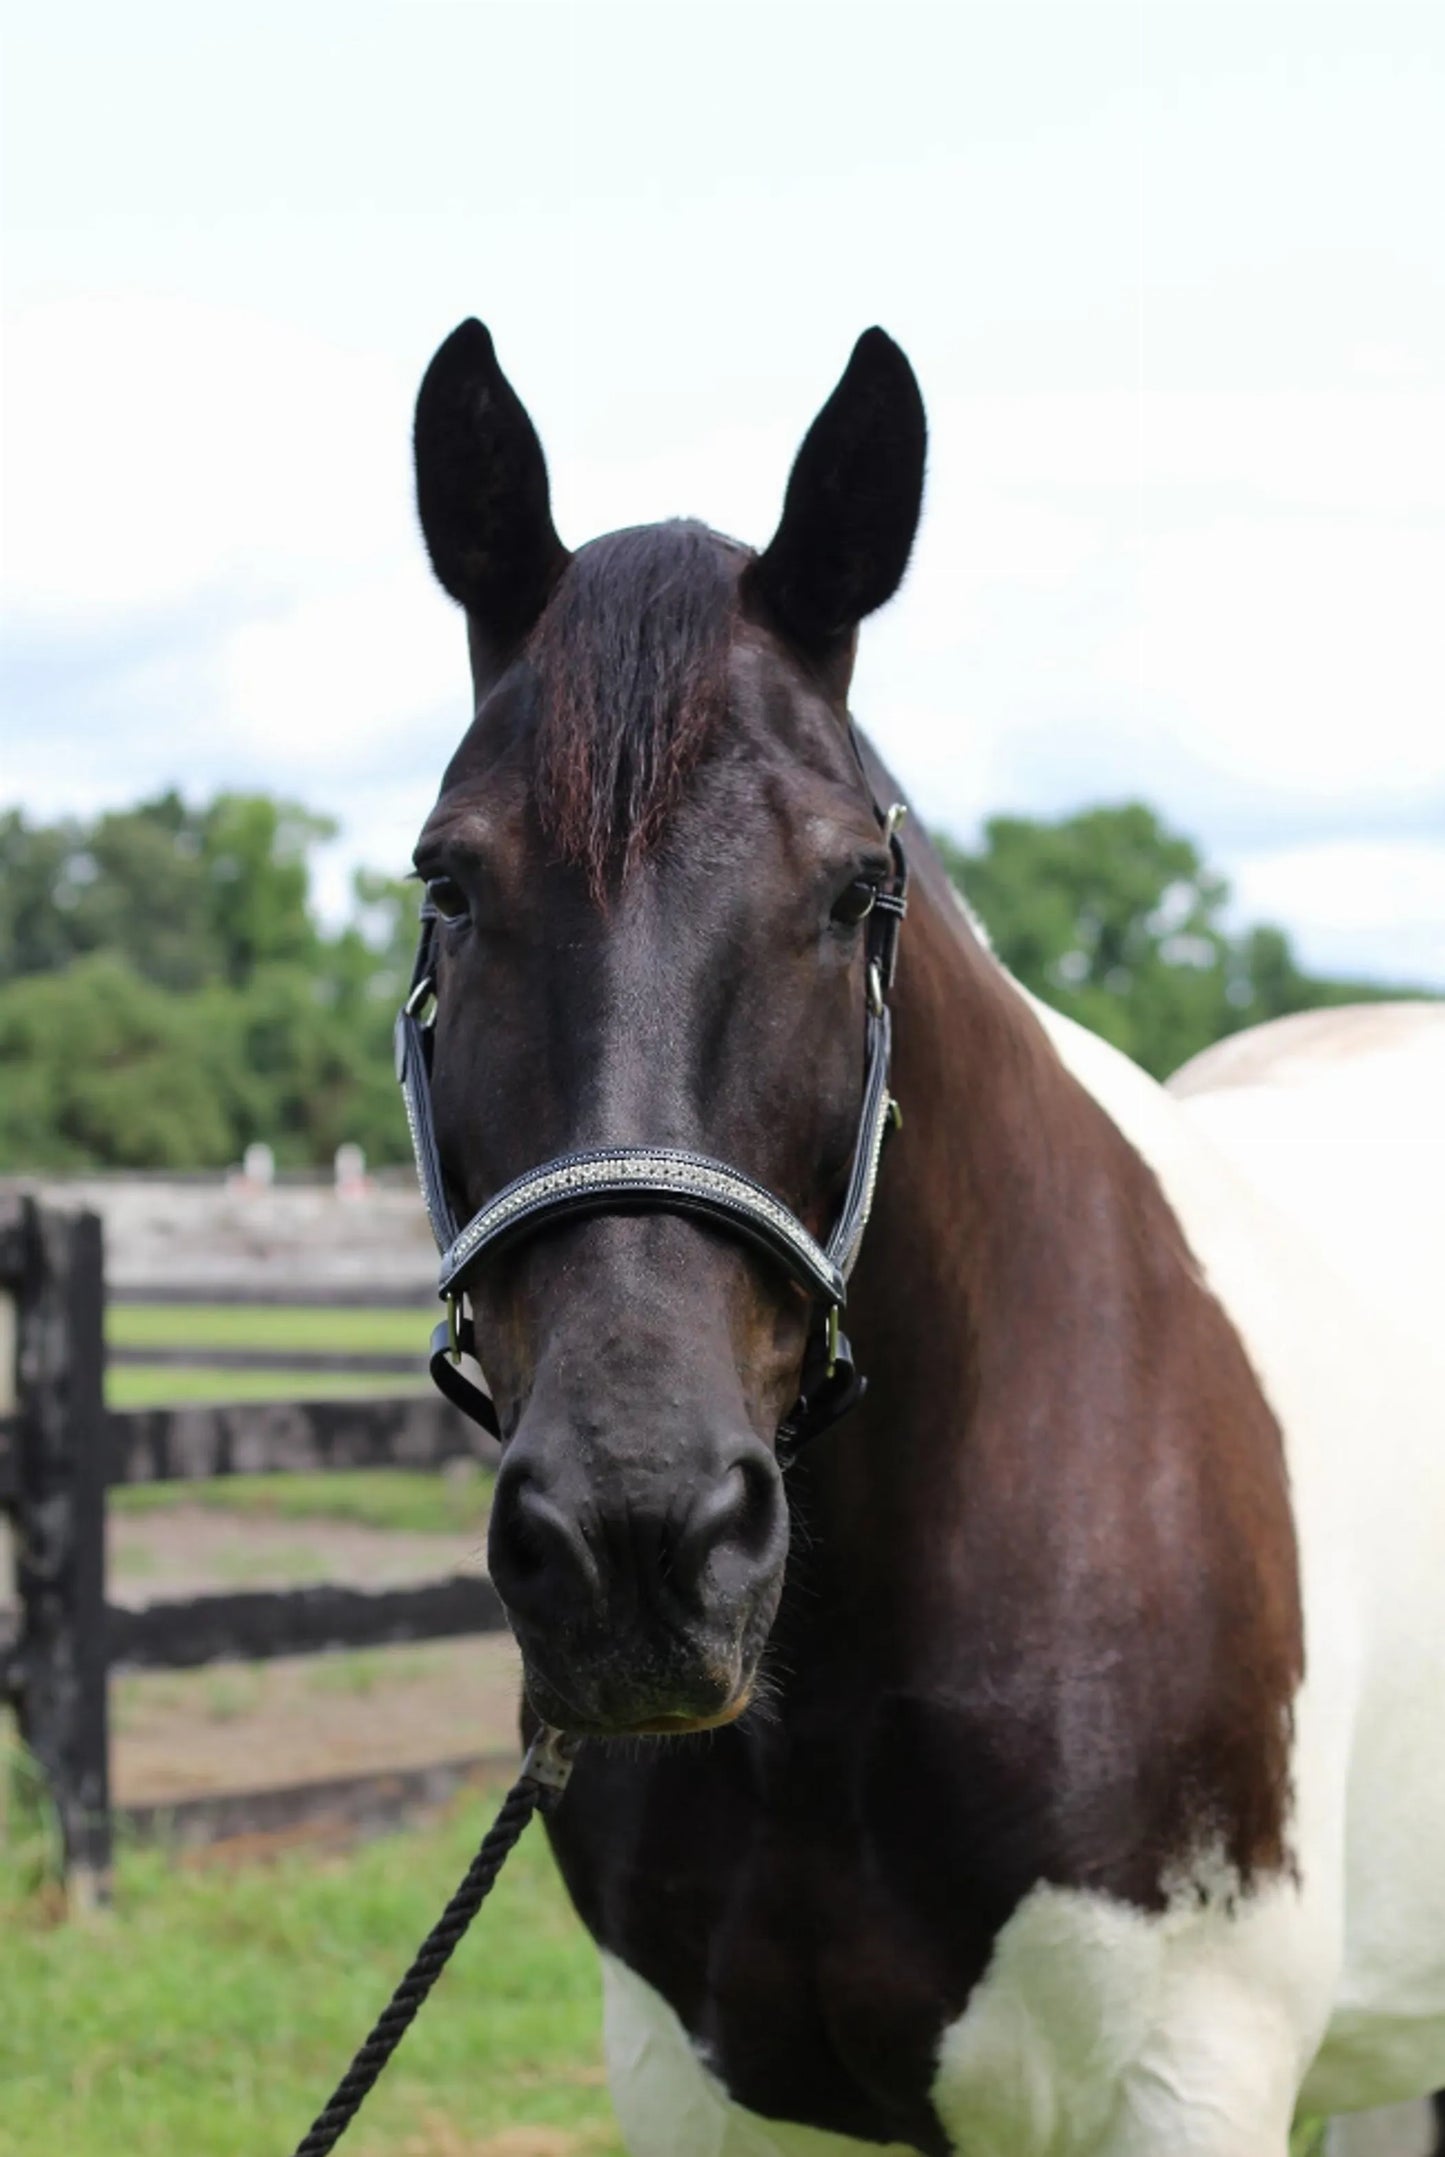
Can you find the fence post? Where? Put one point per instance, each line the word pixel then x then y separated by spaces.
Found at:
pixel 60 1533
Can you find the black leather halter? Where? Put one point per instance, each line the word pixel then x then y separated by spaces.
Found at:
pixel 667 1179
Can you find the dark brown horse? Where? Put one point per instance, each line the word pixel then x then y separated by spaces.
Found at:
pixel 995 1817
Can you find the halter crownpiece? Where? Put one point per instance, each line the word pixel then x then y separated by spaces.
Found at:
pixel 664 1179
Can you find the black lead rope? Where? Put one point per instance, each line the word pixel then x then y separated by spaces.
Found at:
pixel 538 1788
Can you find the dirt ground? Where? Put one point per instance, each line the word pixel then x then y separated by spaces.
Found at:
pixel 249 1726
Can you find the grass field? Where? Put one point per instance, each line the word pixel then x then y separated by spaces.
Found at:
pixel 212 2010
pixel 379 1498
pixel 342 1330
pixel 400 1498
pixel 346 1329
pixel 160 1385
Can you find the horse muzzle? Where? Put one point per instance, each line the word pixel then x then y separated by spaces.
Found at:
pixel 640 1603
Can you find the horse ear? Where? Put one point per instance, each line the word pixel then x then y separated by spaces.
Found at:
pixel 852 505
pixel 481 492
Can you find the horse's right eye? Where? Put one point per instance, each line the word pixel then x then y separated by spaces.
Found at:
pixel 448 898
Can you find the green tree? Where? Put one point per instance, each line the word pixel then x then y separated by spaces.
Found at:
pixel 35 931
pixel 100 1068
pixel 1117 921
pixel 253 858
pixel 167 995
pixel 186 896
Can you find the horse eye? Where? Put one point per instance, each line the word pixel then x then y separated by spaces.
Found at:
pixel 856 903
pixel 448 898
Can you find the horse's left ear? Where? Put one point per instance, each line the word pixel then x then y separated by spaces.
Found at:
pixel 852 505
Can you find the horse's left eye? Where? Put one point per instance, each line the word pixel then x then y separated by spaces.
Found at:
pixel 855 904
pixel 448 898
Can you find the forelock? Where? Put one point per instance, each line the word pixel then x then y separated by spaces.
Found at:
pixel 631 656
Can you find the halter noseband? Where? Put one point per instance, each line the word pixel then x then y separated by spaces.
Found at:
pixel 664 1179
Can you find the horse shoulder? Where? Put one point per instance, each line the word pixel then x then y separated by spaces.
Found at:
pixel 1358 1386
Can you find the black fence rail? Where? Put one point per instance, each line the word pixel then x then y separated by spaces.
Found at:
pixel 60 1451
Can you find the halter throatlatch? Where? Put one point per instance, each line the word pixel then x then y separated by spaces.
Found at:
pixel 664 1179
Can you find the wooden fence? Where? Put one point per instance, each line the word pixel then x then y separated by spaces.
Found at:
pixel 60 1450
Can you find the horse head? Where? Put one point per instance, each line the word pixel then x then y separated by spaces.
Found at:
pixel 652 865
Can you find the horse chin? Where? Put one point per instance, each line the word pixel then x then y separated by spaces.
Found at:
pixel 668 1726
pixel 608 1704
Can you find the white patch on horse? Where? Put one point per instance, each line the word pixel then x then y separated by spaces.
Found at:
pixel 975 921
pixel 1100 2031
pixel 1342 1328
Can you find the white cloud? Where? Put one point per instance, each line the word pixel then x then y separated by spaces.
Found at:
pixel 156 447
pixel 1299 652
pixel 338 678
pixel 1354 905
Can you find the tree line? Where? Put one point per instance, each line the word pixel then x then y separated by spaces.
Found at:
pixel 168 993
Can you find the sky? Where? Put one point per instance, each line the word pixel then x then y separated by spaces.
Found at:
pixel 1172 276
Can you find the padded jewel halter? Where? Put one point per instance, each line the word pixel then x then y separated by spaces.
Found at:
pixel 664 1179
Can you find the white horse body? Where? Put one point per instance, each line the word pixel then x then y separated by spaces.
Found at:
pixel 1337 1117
pixel 1099 2031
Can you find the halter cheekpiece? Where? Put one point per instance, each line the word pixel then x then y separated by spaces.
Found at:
pixel 665 1179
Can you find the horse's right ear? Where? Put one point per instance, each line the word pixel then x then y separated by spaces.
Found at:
pixel 481 493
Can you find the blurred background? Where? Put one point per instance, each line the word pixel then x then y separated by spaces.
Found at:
pixel 1167 679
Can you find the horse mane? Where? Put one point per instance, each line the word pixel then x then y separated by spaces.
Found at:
pixel 631 657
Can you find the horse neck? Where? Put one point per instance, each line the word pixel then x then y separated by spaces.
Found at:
pixel 1026 1309
pixel 1066 1486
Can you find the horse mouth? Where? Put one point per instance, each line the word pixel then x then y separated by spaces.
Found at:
pixel 610 1710
pixel 677 1726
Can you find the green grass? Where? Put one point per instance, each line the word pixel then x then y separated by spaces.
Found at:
pixel 347 1330
pixel 361 1671
pixel 212 2011
pixel 404 1498
pixel 161 1385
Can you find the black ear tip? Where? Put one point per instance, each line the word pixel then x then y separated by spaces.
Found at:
pixel 877 354
pixel 473 337
pixel 468 351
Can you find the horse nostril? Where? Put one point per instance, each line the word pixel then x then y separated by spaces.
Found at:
pixel 538 1556
pixel 737 1519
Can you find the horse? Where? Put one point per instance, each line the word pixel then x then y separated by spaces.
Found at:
pixel 1044 1757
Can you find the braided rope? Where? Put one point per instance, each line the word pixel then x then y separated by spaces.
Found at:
pixel 539 1785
